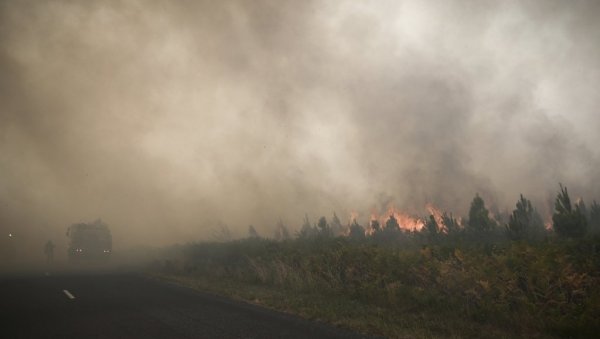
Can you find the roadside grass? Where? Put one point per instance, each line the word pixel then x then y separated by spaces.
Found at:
pixel 434 291
pixel 342 312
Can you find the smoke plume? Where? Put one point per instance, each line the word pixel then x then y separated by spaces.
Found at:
pixel 165 118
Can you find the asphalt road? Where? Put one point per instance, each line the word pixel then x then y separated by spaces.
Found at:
pixel 129 305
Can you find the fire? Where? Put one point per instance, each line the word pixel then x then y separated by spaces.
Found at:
pixel 406 222
pixel 353 216
pixel 436 212
pixel 438 215
pixel 374 214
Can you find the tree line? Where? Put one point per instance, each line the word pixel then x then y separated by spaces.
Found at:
pixel 569 220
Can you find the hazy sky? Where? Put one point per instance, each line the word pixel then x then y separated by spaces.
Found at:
pixel 166 117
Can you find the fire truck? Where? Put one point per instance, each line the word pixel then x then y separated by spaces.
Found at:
pixel 89 241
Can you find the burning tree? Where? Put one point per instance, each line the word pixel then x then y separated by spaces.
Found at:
pixel 568 222
pixel 431 228
pixel 357 232
pixel 375 226
pixel 392 229
pixel 451 225
pixel 376 231
pixel 391 225
pixel 389 233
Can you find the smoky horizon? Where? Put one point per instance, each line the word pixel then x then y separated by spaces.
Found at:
pixel 166 119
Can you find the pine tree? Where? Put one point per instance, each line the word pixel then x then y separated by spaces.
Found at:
pixel 391 231
pixel 336 225
pixel 431 228
pixel 221 233
pixel 376 230
pixel 323 228
pixel 281 231
pixel 568 222
pixel 452 226
pixel 307 230
pixel 375 226
pixel 252 232
pixel 479 218
pixel 595 218
pixel 357 232
pixel 525 222
pixel 391 225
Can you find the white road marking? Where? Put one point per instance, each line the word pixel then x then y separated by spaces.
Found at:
pixel 69 294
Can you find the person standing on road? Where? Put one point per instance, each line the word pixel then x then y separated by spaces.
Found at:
pixel 49 250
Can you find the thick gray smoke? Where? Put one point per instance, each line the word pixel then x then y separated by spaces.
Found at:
pixel 167 117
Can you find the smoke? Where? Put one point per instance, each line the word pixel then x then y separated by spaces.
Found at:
pixel 166 118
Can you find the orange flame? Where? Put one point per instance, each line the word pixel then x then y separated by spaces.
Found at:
pixel 436 212
pixel 374 214
pixel 406 222
pixel 353 216
pixel 437 215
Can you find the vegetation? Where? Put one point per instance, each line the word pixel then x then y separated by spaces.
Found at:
pixel 442 281
pixel 525 222
pixel 595 218
pixel 432 229
pixel 281 231
pixel 568 222
pixel 356 232
pixel 479 219
pixel 252 233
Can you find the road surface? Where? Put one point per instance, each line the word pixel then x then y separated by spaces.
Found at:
pixel 129 305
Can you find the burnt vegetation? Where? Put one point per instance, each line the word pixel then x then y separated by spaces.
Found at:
pixel 452 277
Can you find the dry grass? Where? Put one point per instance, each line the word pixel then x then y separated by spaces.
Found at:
pixel 508 290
